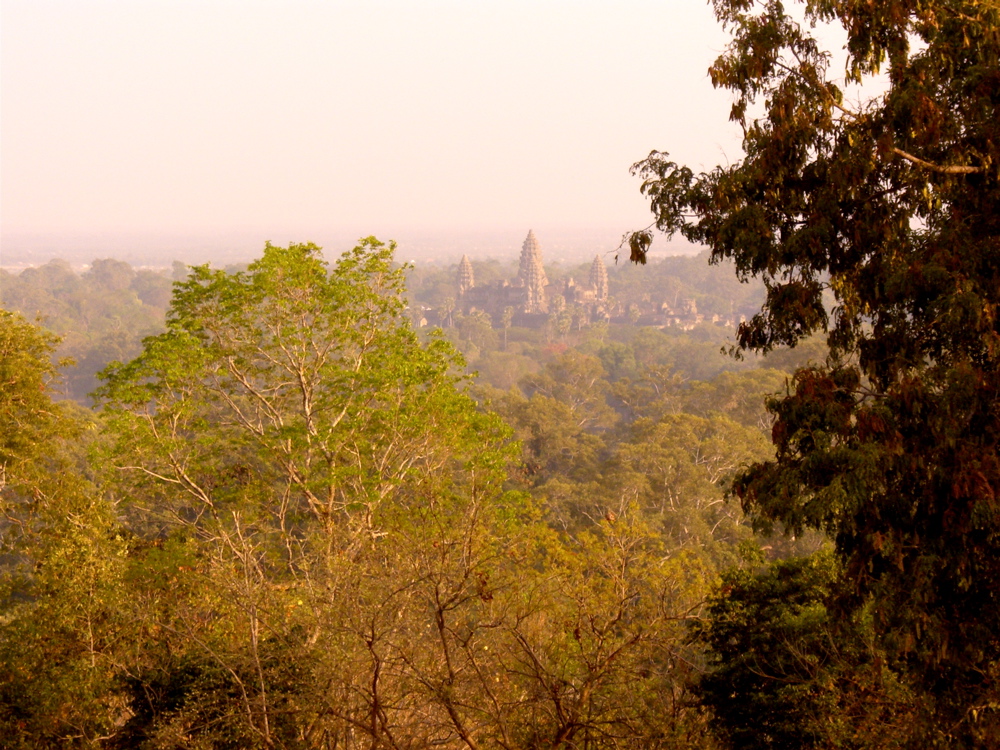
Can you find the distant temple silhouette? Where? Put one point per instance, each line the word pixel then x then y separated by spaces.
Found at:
pixel 530 297
pixel 530 300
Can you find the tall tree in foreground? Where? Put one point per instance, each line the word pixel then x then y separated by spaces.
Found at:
pixel 323 554
pixel 60 560
pixel 300 467
pixel 879 223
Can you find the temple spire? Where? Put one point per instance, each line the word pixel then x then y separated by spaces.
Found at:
pixel 466 279
pixel 599 279
pixel 531 275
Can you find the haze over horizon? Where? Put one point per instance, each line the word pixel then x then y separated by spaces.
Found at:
pixel 193 129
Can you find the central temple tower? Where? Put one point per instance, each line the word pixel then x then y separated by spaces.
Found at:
pixel 599 279
pixel 466 278
pixel 531 276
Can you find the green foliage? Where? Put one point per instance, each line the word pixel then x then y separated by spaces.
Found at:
pixel 305 533
pixel 314 467
pixel 889 209
pixel 787 674
pixel 286 376
pixel 60 564
pixel 100 315
pixel 678 469
pixel 577 381
pixel 325 548
pixel 27 415
pixel 737 396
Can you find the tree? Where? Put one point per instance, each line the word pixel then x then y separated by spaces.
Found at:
pixel 111 275
pixel 60 560
pixel 324 553
pixel 889 209
pixel 506 319
pixel 27 416
pixel 786 674
pixel 476 328
pixel 577 381
pixel 313 483
pixel 677 469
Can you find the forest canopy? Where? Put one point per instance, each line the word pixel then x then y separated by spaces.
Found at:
pixel 290 524
pixel 294 518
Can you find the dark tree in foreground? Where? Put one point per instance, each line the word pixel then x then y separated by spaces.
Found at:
pixel 878 223
pixel 787 673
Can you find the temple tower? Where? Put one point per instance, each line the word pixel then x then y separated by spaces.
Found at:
pixel 599 279
pixel 531 275
pixel 466 279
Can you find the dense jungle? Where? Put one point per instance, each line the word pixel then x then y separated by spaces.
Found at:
pixel 266 507
pixel 288 518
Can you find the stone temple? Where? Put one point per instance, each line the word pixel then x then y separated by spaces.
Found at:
pixel 530 299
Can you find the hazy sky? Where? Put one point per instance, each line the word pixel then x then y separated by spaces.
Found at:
pixel 384 116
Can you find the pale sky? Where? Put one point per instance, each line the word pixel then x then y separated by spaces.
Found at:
pixel 286 119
